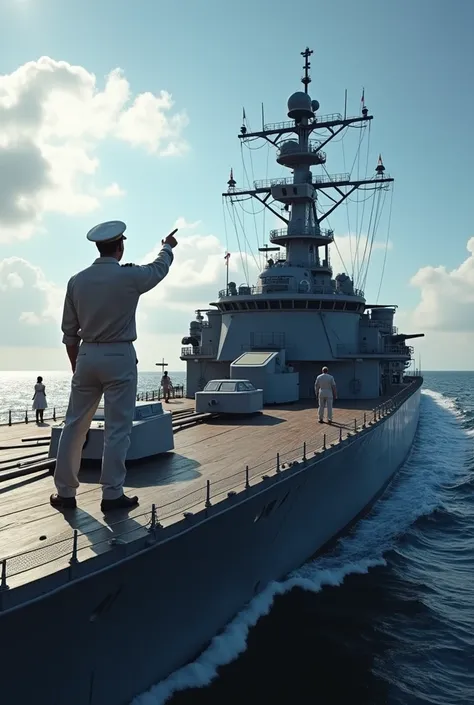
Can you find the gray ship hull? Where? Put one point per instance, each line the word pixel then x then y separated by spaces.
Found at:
pixel 109 636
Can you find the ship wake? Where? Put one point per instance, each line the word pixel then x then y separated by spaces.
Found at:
pixel 436 459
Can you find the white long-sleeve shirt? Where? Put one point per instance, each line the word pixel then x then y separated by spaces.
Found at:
pixel 101 300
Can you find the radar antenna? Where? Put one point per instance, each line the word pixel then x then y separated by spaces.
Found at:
pixel 306 80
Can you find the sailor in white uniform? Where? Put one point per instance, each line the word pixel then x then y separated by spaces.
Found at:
pixel 325 386
pixel 98 330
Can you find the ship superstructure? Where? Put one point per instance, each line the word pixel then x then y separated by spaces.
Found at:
pixel 299 308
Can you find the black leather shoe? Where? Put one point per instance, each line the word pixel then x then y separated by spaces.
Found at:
pixel 123 502
pixel 62 502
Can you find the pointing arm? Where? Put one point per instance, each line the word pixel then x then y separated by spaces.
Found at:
pixel 147 276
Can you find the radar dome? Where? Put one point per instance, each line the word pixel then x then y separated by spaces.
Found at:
pixel 299 106
pixel 315 105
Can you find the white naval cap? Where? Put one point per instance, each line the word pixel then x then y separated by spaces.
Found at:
pixel 107 232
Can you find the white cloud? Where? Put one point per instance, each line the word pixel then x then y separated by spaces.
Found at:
pixel 447 297
pixel 114 191
pixel 146 123
pixel 31 305
pixel 53 116
pixel 182 224
pixel 14 281
pixel 197 273
pixel 31 318
pixel 443 314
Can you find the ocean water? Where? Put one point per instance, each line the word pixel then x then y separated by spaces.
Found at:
pixel 16 390
pixel 387 618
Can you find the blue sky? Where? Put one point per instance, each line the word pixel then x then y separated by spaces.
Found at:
pixel 414 59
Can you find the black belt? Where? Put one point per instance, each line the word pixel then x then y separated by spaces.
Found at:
pixel 107 342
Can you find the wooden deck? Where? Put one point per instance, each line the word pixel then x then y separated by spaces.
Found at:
pixel 217 451
pixel 25 442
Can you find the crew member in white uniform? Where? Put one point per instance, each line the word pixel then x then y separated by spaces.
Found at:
pixel 98 330
pixel 325 387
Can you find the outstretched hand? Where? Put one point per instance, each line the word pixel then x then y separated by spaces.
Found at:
pixel 170 239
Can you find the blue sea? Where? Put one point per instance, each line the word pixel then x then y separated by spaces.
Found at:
pixel 386 618
pixel 16 391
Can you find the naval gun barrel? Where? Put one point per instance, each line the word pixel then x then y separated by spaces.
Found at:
pixel 402 336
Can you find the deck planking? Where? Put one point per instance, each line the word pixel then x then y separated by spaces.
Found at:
pixel 14 449
pixel 217 450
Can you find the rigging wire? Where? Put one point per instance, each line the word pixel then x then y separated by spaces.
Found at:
pixel 240 201
pixel 357 155
pixel 337 248
pixel 355 263
pixel 378 217
pixel 386 245
pixel 252 139
pixel 359 233
pixel 360 190
pixel 225 226
pixel 253 206
pixel 232 217
pixel 359 278
pixel 357 210
pixel 249 186
pixel 264 208
pixel 347 212
pixel 235 213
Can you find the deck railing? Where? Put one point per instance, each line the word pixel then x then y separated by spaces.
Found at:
pixel 367 323
pixel 157 394
pixel 198 350
pixel 196 505
pixel 278 233
pixel 18 415
pixel 277 287
pixel 290 124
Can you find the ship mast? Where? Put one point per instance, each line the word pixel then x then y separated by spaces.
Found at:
pixel 306 80
pixel 306 243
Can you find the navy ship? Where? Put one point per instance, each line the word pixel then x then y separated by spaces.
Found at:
pixel 238 483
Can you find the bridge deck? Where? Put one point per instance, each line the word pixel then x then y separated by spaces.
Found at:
pixel 218 451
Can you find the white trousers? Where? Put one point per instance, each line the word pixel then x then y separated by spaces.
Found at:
pixel 325 400
pixel 108 369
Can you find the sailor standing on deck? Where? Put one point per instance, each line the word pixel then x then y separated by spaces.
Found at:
pixel 99 329
pixel 325 386
pixel 166 385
